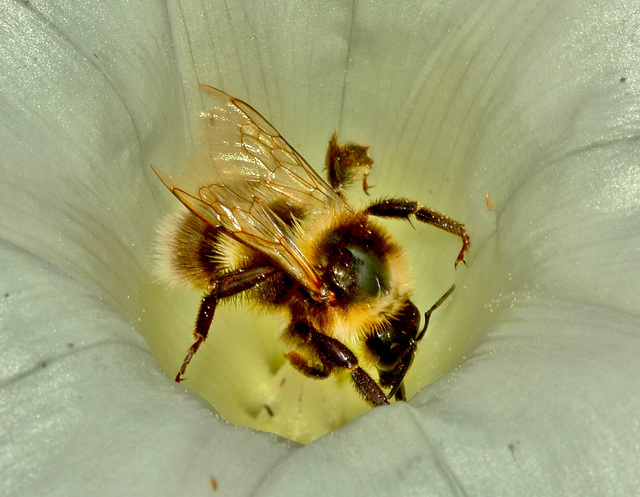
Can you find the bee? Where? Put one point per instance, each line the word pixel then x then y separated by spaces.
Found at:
pixel 261 223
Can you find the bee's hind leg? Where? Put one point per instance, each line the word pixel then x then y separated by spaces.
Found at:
pixel 221 287
pixel 201 330
pixel 330 353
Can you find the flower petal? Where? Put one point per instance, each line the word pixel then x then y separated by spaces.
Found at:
pixel 531 102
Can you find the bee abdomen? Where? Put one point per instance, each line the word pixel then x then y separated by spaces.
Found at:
pixel 188 249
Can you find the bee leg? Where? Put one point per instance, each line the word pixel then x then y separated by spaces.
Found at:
pixel 345 163
pixel 339 355
pixel 201 330
pixel 224 286
pixel 334 354
pixel 402 208
pixel 307 367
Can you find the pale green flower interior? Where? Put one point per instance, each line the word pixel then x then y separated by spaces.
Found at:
pixel 534 103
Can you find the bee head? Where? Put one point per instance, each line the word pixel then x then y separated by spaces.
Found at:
pixel 395 346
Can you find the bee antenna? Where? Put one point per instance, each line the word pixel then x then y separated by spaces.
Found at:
pixel 401 376
pixel 427 315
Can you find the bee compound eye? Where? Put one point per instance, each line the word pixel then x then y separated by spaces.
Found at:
pixel 391 358
pixel 388 350
pixel 370 272
pixel 359 274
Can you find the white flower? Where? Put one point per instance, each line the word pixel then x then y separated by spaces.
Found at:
pixel 534 103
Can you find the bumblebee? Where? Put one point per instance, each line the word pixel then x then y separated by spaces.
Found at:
pixel 261 223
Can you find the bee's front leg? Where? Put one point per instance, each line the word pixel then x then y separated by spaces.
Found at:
pixel 402 208
pixel 331 353
pixel 221 287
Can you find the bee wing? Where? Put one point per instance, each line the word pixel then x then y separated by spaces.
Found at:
pixel 247 168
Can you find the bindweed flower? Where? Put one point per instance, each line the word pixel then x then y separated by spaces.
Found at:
pixel 534 104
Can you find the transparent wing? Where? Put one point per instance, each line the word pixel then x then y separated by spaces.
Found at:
pixel 243 179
